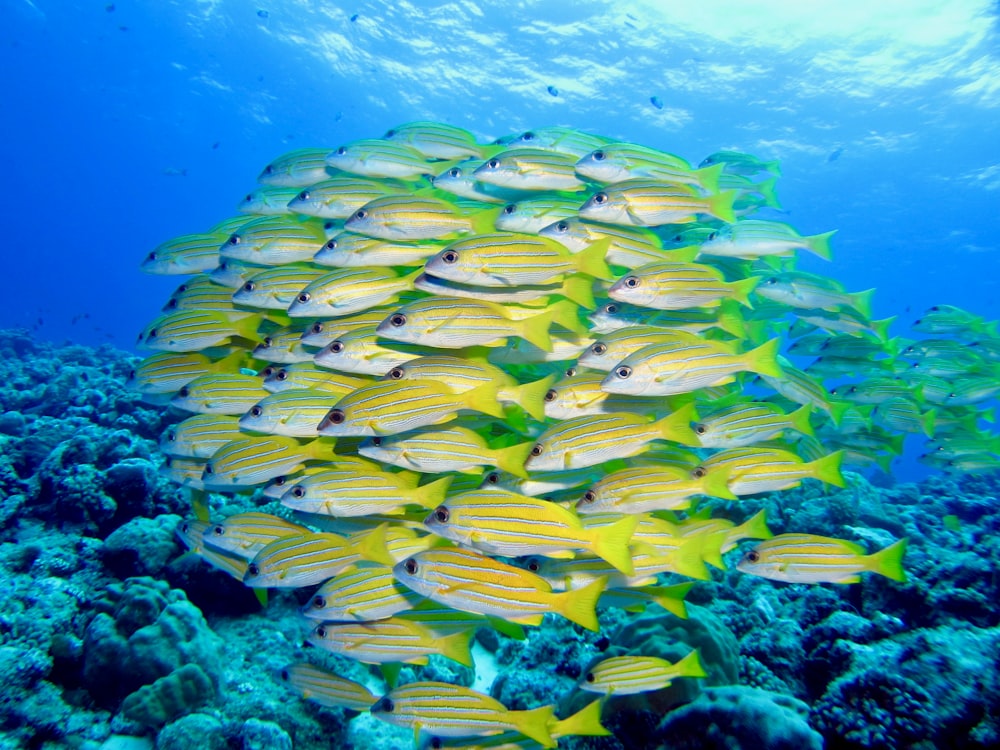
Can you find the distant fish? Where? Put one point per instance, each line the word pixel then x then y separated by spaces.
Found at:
pixel 834 155
pixel 354 18
pixel 175 172
pixel 263 14
pixel 553 90
pixel 656 102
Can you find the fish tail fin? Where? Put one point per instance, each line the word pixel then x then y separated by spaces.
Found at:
pixel 565 313
pixel 432 494
pixel 819 244
pixel 729 318
pixel 261 595
pixel 764 359
pixel 484 400
pixel 484 221
pixel 689 559
pixel 199 504
pixel 774 167
pixel 888 562
pixel 862 302
pixel 372 546
pixel 716 484
pixel 881 328
pixel 798 420
pixel 511 459
pixel 927 421
pixel 535 724
pixel 536 330
pixel 580 605
pixel 584 723
pixel 580 289
pixel 720 206
pixel 755 527
pixel 708 177
pixel 711 553
pixel 671 598
pixel 677 426
pixel 838 410
pixel 740 290
pixel 827 469
pixel 531 396
pixel 767 189
pixel 690 666
pixel 610 543
pixel 591 260
pixel 455 646
pixel 247 327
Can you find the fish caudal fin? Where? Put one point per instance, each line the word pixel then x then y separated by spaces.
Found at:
pixel 591 262
pixel 740 290
pixel 755 527
pixel 579 289
pixel 535 724
pixel 512 458
pixel 565 314
pixel 820 244
pixel 721 206
pixel 536 330
pixel 580 605
pixel 610 543
pixel 690 666
pixel 372 546
pixel 677 426
pixel 432 494
pixel 764 359
pixel 455 646
pixel 888 562
pixel 531 396
pixel 671 598
pixel 584 723
pixel 484 400
pixel 827 469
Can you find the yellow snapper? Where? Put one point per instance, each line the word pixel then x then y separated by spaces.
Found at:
pixel 350 492
pixel 617 162
pixel 390 640
pixel 349 250
pixel 755 238
pixel 294 413
pixel 531 215
pixel 628 675
pixel 650 203
pixel 188 253
pixel 726 317
pixel 809 291
pixel 498 522
pixel 388 408
pixel 586 441
pixel 267 200
pixel 350 290
pixel 569 141
pixel 311 558
pixel 297 168
pixel 274 240
pixel 326 688
pixel 340 196
pixel 365 352
pixel 246 534
pixel 277 287
pixel 674 368
pixel 530 169
pixel 249 461
pixel 643 489
pixel 284 346
pixel 199 436
pixel 807 558
pixel 436 140
pixel 219 393
pixel 581 395
pixel 194 330
pixel 319 333
pixel 576 287
pixel 454 711
pixel 167 372
pixel 305 375
pixel 627 246
pixel 611 348
pixel 671 285
pixel 451 448
pixel 752 470
pixel 749 423
pixel 366 594
pixel 460 180
pixel 373 157
pixel 411 217
pixel 201 293
pixel 737 162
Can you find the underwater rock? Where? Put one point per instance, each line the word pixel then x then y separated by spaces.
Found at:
pixel 178 693
pixel 143 546
pixel 739 718
pixel 264 735
pixel 194 730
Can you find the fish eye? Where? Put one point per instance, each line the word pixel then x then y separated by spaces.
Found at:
pixel 570 372
pixel 600 198
pixel 331 245
pixel 623 372
pixel 410 566
pixel 267 341
pixel 284 675
pixel 269 169
pixel 208 469
pixel 377 441
pixel 611 309
pixel 589 496
pixel 397 320
pixel 171 304
pixel 534 566
pixel 528 136
pixel 771 281
pixel 298 491
pixel 700 429
pixel 185 528
pixel 336 417
pixel 509 209
pixel 396 373
pixel 336 347
pixel 151 256
pixel 249 286
pixel 320 631
pixel 550 394
pixel 442 514
pixel 454 172
pixel 360 214
pixel 589 677
pixel 437 743
pixel 562 226
pixel 493 163
pixel 537 449
pixel 341 151
pixel 386 705
pixel 184 392
pixel 753 556
pixel 280 481
pixel 450 256
pixel 234 239
pixel 698 472
pixel 253 569
pixel 493 477
pixel 256 411
pixel 328 225
pixel 599 348
pixel 150 335
pixel 267 371
pixel 282 375
pixel 390 133
pixel 219 530
pixel 598 156
pixel 249 198
pixel 713 235
pixel 631 282
pixel 304 297
pixel 303 196
pixel 168 462
pixel 934 309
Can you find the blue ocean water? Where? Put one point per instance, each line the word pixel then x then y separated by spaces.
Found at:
pixel 130 123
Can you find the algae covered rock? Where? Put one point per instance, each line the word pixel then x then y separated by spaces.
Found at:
pixel 178 693
pixel 143 546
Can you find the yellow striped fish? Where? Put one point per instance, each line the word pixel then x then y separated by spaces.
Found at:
pixel 627 246
pixel 200 293
pixel 350 290
pixel 340 196
pixel 628 675
pixel 219 393
pixel 327 689
pixel 246 534
pixel 576 287
pixel 614 316
pixel 611 348
pixel 472 582
pixel 194 330
pixel 306 376
pixel 277 287
pixel 373 157
pixel 349 250
pixel 274 240
pixel 391 640
pixel 199 436
pixel 530 169
pixel 254 460
pixel 387 408
pixel 267 200
pixel 293 413
pixel 617 162
pixel 368 593
pixel 322 332
pixel 350 492
pixel 283 346
pixel 569 141
pixel 188 253
pixel 749 423
pixel 436 140
pixel 674 368
pixel 192 534
pixel 306 559
pixel 187 472
pixel 751 470
pixel 452 448
pixel 582 395
pixel 454 711
pixel 534 214
pixel 498 522
pixel 807 558
pixel 167 372
pixel 411 217
pixel 672 285
pixel 364 352
pixel 298 168
pixel 649 203
pixel 643 489
pixel 590 440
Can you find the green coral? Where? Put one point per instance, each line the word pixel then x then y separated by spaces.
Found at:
pixel 181 692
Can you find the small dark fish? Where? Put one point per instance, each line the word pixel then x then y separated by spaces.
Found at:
pixel 216 145
pixel 553 90
pixel 834 155
pixel 263 14
pixel 354 17
pixel 110 7
pixel 174 172
pixel 123 28
pixel 656 102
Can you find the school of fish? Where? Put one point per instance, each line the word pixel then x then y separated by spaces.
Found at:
pixel 491 382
